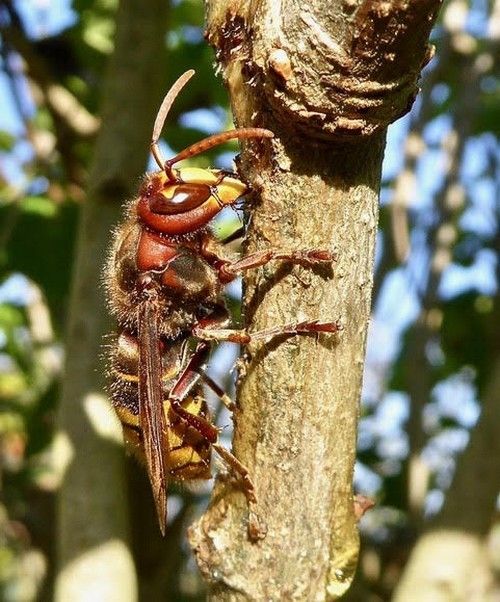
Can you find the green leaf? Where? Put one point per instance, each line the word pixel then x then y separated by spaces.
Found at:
pixel 40 245
pixel 7 141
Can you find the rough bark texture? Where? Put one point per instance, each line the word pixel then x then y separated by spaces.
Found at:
pixel 317 76
pixel 94 561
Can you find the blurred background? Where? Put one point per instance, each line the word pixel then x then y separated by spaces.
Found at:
pixel 432 376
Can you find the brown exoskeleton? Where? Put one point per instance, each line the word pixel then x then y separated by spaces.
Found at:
pixel 165 279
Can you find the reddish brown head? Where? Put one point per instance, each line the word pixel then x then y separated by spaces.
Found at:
pixel 183 206
pixel 180 201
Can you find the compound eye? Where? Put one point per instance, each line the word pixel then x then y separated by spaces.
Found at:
pixel 185 198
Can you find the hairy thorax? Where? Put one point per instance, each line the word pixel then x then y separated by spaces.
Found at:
pixel 181 281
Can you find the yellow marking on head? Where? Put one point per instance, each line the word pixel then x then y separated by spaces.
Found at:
pixel 228 190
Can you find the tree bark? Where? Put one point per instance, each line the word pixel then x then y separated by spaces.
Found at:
pixel 327 80
pixel 94 560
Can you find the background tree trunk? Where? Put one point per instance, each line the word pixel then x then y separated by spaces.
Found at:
pixel 457 536
pixel 327 80
pixel 94 560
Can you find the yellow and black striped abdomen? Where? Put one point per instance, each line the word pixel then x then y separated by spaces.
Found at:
pixel 188 453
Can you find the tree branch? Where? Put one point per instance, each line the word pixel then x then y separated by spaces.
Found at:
pixel 341 70
pixel 313 77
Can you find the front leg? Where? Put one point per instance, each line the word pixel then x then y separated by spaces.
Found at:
pixel 229 270
pixel 243 337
